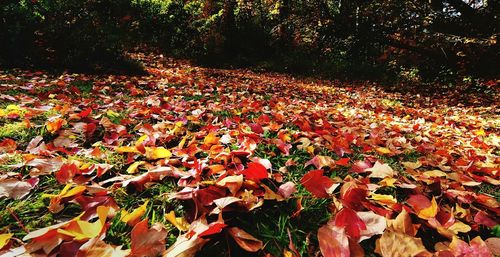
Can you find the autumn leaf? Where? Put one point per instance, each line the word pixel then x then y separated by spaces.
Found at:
pixel 333 241
pixel 255 171
pixel 146 241
pixel 179 222
pixel 157 153
pixel 81 229
pixel 424 208
pixel 320 186
pixel 56 200
pixel 246 241
pixel 132 218
pixel 98 248
pixel 54 125
pixel 4 239
pixel 16 189
pixel 381 171
pixel 351 222
pixel 374 223
pixel 400 244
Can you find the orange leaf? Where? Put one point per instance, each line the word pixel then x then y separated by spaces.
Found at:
pixel 54 125
pixel 148 242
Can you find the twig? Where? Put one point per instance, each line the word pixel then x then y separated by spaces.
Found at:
pixel 18 220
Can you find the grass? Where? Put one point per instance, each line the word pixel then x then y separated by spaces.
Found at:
pixel 19 132
pixel 489 189
pixel 30 213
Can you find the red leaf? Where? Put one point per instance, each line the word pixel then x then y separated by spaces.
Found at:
pixel 317 184
pixel 353 224
pixel 66 173
pixel 213 228
pixel 255 171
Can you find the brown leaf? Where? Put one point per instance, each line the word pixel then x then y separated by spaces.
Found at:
pixel 245 240
pixel 399 244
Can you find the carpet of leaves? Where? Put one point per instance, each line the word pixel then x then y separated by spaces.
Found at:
pixel 192 161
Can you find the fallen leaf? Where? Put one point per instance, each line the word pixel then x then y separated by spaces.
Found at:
pixel 98 248
pixel 400 244
pixel 16 189
pixel 255 171
pixel 246 241
pixel 4 239
pixel 317 184
pixel 179 222
pixel 333 241
pixel 381 171
pixel 132 218
pixel 146 241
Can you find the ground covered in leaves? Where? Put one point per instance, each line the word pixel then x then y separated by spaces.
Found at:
pixel 192 161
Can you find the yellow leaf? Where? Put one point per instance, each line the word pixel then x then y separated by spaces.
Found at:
pixel 480 132
pixel 111 113
pixel 412 165
pixel 12 107
pixel 435 173
pixel 4 239
pixel 134 166
pixel 211 139
pixel 158 153
pixel 66 192
pixel 459 227
pixel 127 149
pixel 141 139
pixel 310 149
pixel 383 150
pixel 388 182
pixel 385 199
pixel 180 223
pixel 132 218
pixel 81 229
pixel 430 211
pixel 287 253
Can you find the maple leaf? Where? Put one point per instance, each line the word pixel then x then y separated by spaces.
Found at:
pixel 476 248
pixel 146 241
pixel 424 208
pixel 81 229
pixel 54 125
pixel 16 189
pixel 320 161
pixel 56 200
pixel 246 241
pixel 4 239
pixel 320 186
pixel 400 244
pixel 381 171
pixel 351 222
pixel 333 241
pixel 255 171
pixel 66 173
pixel 132 218
pixel 179 222
pixel 375 224
pixel 98 248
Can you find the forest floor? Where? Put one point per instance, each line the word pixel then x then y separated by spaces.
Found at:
pixel 191 161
